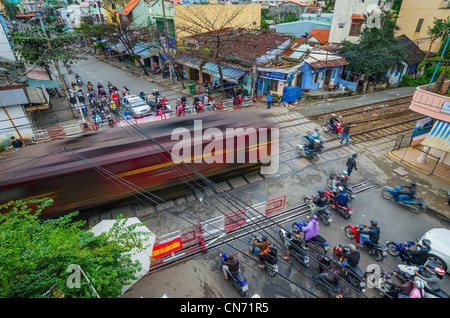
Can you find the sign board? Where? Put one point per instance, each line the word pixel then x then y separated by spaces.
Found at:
pixel 290 77
pixel 108 49
pixel 274 75
pixel 446 107
pixel 423 126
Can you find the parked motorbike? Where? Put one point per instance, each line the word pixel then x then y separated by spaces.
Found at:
pixel 270 262
pixel 199 108
pixel 377 251
pixel 415 205
pixel 294 247
pixel 328 128
pixel 354 275
pixel 322 213
pixel 332 184
pixel 342 209
pixel 318 242
pixel 412 269
pixel 180 111
pixel 239 281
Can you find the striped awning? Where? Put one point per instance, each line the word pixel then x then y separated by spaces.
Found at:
pixel 229 73
pixel 439 136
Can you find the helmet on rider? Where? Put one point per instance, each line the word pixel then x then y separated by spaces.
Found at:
pixel 346 249
pixel 418 284
pixel 352 248
pixel 413 184
pixel 426 242
pixel 439 271
pixel 406 276
pixel 341 188
pixel 321 193
pixel 264 238
pixel 374 223
pixel 314 217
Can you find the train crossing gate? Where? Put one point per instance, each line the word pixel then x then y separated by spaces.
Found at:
pixel 176 245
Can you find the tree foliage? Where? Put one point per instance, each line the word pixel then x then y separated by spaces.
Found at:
pixel 35 254
pixel 375 48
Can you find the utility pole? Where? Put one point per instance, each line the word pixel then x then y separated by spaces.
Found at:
pixel 166 34
pixel 55 62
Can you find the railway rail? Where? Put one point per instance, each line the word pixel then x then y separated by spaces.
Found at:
pixel 217 237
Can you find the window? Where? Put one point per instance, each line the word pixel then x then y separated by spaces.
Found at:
pixel 419 25
pixel 113 6
pixel 316 77
pixel 355 28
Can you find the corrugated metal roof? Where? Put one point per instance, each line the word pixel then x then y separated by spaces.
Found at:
pixel 329 63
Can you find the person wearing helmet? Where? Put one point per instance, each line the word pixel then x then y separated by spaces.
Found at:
pixel 311 229
pixel 417 291
pixel 372 235
pixel 261 248
pixel 418 256
pixel 339 197
pixel 351 256
pixel 433 281
pixel 408 194
pixel 142 94
pixel 321 200
pixel 403 288
pixel 333 121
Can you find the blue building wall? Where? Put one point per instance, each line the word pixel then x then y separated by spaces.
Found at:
pixel 308 76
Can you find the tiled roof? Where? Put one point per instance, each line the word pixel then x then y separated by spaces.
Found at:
pixel 321 35
pixel 129 7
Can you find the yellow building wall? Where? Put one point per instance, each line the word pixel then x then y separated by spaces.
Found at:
pixel 201 18
pixel 411 12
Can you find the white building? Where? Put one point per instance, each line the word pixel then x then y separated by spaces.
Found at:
pixel 6 51
pixel 348 18
pixel 73 13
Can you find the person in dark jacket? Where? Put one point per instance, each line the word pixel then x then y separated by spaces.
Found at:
pixel 16 143
pixel 418 256
pixel 372 234
pixel 346 133
pixel 351 258
pixel 351 163
pixel 231 264
pixel 408 194
pixel 404 288
pixel 261 248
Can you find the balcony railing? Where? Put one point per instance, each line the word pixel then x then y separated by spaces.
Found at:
pixel 444 5
pixel 431 104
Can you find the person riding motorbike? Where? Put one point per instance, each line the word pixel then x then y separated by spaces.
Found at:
pixel 296 243
pixel 311 230
pixel 339 197
pixel 408 194
pixel 321 200
pixel 231 264
pixel 372 234
pixel 333 121
pixel 433 282
pixel 261 248
pixel 418 256
pixel 403 288
pixel 316 134
pixel 351 256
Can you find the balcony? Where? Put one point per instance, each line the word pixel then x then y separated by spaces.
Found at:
pixel 432 104
pixel 444 4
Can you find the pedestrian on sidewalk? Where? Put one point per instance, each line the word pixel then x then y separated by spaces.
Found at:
pixel 346 133
pixel 351 163
pixel 269 99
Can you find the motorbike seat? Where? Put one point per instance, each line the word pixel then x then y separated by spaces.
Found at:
pixel 238 276
pixel 318 239
pixel 439 293
pixel 377 245
pixel 356 270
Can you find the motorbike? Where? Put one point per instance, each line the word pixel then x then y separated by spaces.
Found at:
pixel 239 282
pixel 415 205
pixel 199 108
pixel 332 184
pixel 318 242
pixel 342 209
pixel 270 262
pixel 322 213
pixel 308 154
pixel 377 251
pixel 398 249
pixel 79 82
pixel 295 248
pixel 354 275
pixel 412 269
pixel 334 289
pixel 338 130
pixel 180 111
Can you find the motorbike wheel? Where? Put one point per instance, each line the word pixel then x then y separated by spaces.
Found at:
pixel 344 213
pixel 348 232
pixel 392 249
pixel 280 233
pixel 339 134
pixel 314 158
pixel 415 208
pixel 307 201
pixel 330 183
pixel 377 255
pixel 324 219
pixel 386 194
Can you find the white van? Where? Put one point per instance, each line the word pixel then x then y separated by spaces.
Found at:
pixel 136 105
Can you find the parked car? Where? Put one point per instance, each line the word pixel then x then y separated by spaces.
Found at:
pixel 440 247
pixel 137 106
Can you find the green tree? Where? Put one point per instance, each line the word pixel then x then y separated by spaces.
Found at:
pixel 439 30
pixel 36 253
pixel 376 51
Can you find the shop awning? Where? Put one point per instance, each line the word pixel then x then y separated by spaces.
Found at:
pixel 148 52
pixel 229 74
pixel 439 136
pixel 119 47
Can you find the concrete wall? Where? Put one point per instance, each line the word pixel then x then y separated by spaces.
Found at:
pixel 21 121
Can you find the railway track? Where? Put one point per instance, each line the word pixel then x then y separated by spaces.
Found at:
pixel 256 222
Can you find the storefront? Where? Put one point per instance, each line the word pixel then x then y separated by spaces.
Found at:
pixel 231 76
pixel 191 67
pixel 276 80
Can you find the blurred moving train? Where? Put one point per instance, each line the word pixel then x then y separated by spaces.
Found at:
pixel 105 166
